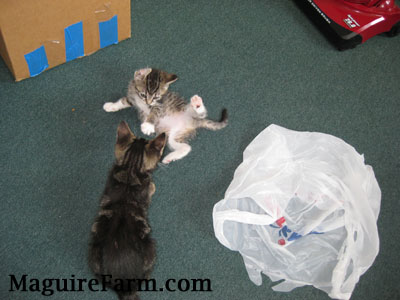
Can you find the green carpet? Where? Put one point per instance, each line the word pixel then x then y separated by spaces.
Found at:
pixel 262 60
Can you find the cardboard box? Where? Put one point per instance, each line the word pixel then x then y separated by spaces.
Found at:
pixel 36 35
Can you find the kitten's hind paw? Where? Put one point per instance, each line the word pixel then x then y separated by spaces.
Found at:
pixel 166 161
pixel 197 103
pixel 183 150
pixel 147 128
pixel 110 107
pixel 170 158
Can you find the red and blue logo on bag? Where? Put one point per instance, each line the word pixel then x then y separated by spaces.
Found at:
pixel 286 234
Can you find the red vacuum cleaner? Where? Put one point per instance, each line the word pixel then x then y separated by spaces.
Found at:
pixel 349 23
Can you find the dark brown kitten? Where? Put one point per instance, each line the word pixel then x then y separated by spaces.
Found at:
pixel 120 244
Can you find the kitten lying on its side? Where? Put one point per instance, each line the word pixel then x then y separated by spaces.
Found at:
pixel 121 245
pixel 164 111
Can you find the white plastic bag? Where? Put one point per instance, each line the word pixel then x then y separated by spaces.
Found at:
pixel 302 207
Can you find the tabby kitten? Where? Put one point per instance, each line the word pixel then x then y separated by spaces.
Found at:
pixel 164 111
pixel 120 244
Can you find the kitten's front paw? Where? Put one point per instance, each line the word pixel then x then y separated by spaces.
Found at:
pixel 198 106
pixel 147 128
pixel 110 107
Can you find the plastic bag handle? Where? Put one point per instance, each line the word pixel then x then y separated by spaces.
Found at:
pixel 238 216
pixel 244 217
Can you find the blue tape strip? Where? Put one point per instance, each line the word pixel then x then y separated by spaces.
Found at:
pixel 74 41
pixel 37 61
pixel 108 32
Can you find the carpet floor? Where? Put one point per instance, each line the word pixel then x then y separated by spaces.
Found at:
pixel 262 60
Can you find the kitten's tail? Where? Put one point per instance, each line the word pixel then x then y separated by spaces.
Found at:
pixel 213 125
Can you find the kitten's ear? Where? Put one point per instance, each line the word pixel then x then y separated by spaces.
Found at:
pixel 124 137
pixel 159 142
pixel 124 134
pixel 142 73
pixel 170 78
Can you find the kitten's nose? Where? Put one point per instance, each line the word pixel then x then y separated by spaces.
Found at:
pixel 149 99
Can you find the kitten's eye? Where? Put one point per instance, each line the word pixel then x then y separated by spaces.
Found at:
pixel 143 95
pixel 157 97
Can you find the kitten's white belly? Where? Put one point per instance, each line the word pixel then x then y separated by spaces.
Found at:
pixel 173 123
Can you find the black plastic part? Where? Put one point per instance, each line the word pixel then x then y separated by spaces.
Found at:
pixel 394 31
pixel 334 33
